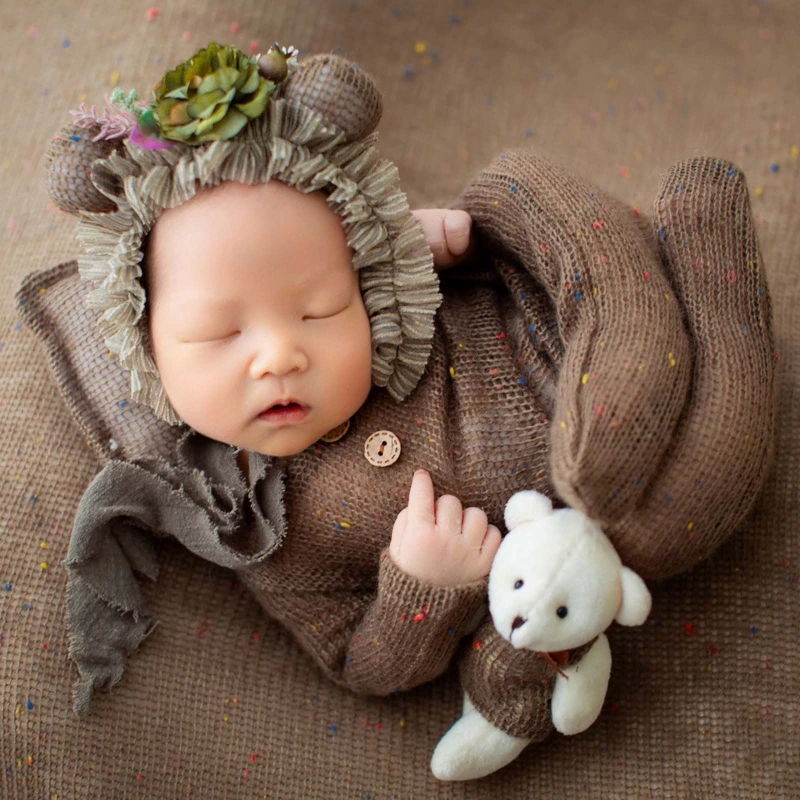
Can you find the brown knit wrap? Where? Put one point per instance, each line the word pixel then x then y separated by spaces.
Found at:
pixel 664 409
pixel 511 348
pixel 586 253
pixel 722 448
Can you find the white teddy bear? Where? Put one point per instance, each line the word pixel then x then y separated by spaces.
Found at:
pixel 555 585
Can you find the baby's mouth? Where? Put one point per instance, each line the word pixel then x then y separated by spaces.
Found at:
pixel 284 413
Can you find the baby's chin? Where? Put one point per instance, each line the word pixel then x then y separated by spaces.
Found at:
pixel 282 443
pixel 277 442
pixel 280 451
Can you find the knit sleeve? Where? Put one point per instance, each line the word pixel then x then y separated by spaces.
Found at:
pixel 393 638
pixel 410 632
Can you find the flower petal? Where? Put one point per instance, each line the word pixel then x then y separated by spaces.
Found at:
pixel 251 81
pixel 230 125
pixel 203 106
pixel 181 93
pixel 224 78
pixel 218 114
pixel 255 107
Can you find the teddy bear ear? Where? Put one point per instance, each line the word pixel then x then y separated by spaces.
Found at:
pixel 636 599
pixel 527 506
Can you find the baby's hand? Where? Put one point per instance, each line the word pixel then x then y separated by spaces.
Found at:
pixel 439 543
pixel 448 234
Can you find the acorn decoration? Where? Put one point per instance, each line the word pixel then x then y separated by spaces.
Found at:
pixel 274 65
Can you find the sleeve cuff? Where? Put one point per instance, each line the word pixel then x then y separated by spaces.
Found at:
pixel 415 601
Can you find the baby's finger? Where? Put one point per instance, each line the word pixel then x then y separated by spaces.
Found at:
pixel 457 225
pixel 399 527
pixel 398 535
pixel 433 228
pixel 447 233
pixel 449 514
pixel 491 542
pixel 420 499
pixel 473 526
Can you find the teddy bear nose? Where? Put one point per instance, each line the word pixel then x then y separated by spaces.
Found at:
pixel 517 623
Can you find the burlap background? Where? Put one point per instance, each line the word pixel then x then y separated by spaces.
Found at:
pixel 219 703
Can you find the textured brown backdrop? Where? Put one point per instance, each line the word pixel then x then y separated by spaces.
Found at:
pixel 219 703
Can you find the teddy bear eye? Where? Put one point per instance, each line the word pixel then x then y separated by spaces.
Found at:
pixel 518 584
pixel 562 611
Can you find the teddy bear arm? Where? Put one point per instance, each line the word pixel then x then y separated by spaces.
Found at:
pixel 578 699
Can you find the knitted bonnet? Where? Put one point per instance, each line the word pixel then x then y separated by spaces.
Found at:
pixel 225 116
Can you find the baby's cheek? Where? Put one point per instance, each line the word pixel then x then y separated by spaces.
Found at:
pixel 200 390
pixel 356 377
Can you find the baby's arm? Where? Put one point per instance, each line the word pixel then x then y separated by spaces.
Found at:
pixel 431 585
pixel 448 232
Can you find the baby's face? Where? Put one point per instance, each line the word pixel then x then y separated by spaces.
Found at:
pixel 257 324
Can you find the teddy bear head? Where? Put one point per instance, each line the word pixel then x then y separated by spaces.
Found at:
pixel 557 581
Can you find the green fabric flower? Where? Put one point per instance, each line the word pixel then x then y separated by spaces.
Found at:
pixel 211 96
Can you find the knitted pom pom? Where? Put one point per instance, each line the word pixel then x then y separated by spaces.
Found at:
pixel 69 169
pixel 340 91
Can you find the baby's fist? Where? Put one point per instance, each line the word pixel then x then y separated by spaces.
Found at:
pixel 438 542
pixel 448 233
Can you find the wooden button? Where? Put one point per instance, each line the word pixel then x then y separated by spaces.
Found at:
pixel 336 433
pixel 382 449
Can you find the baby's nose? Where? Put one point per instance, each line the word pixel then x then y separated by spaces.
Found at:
pixel 278 355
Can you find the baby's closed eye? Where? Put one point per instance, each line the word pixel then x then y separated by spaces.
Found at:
pixel 210 337
pixel 326 313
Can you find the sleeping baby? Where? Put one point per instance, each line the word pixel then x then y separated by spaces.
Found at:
pixel 349 424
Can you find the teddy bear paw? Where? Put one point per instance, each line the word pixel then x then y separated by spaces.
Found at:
pixel 474 748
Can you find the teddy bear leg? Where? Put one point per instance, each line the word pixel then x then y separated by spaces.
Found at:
pixel 473 748
pixel 578 699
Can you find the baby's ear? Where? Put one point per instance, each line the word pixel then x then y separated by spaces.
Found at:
pixel 527 506
pixel 636 599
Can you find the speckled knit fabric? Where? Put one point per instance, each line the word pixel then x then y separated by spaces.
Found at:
pixel 513 688
pixel 481 421
pixel 220 702
pixel 664 405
